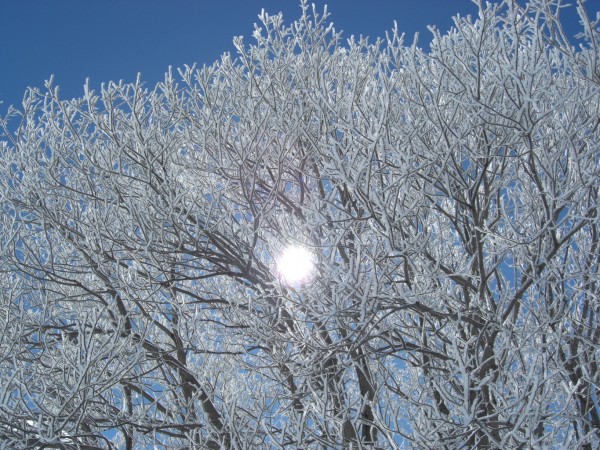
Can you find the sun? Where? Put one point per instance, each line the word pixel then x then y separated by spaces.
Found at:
pixel 295 265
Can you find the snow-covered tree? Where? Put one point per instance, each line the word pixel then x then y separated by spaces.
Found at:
pixel 443 205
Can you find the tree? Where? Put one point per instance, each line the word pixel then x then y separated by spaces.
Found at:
pixel 448 199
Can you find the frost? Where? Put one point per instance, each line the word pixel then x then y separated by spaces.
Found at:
pixel 446 201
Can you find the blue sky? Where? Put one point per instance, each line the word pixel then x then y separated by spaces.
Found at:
pixel 115 39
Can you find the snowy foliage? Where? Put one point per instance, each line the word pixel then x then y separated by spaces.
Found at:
pixel 448 199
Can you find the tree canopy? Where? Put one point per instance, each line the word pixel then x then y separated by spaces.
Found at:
pixel 445 197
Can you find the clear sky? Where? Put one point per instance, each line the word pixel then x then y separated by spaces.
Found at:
pixel 115 39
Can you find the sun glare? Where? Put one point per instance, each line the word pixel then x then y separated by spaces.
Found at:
pixel 295 265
